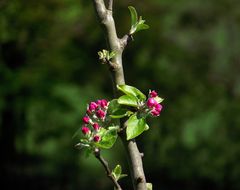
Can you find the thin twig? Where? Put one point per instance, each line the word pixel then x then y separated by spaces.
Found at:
pixel 107 169
pixel 125 40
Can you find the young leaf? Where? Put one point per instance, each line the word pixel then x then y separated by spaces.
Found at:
pixel 146 127
pixel 121 113
pixel 130 90
pixel 122 176
pixel 134 16
pixel 137 24
pixel 112 54
pixel 135 127
pixel 128 100
pixel 113 106
pixel 117 172
pixel 108 137
pixel 141 27
pixel 115 110
pixel 149 186
pixel 158 99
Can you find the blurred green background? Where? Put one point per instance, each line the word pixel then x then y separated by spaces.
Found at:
pixel 49 70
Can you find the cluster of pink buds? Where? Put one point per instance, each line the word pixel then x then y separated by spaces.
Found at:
pixel 95 115
pixel 153 106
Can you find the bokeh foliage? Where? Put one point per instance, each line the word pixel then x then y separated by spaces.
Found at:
pixel 49 71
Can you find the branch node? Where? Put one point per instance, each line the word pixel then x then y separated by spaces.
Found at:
pixel 125 40
pixel 139 180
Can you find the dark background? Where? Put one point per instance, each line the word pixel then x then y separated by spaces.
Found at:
pixel 49 70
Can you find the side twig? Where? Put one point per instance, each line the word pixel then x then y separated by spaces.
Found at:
pixel 107 169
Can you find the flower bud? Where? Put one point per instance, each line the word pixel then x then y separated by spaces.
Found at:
pixel 100 114
pixel 96 138
pixel 99 102
pixel 96 127
pixel 92 106
pixel 155 113
pixel 86 119
pixel 85 130
pixel 104 103
pixel 153 94
pixel 158 107
pixel 151 102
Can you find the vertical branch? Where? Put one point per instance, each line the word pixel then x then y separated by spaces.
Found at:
pixel 117 45
pixel 110 5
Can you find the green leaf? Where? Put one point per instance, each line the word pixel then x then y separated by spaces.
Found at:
pixel 130 90
pixel 135 126
pixel 141 27
pixel 128 100
pixel 149 186
pixel 134 16
pixel 108 137
pixel 117 172
pixel 113 106
pixel 158 99
pixel 116 110
pixel 121 113
pixel 146 127
pixel 112 54
pixel 137 24
pixel 122 176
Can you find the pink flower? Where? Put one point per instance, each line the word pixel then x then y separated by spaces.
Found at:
pixel 86 119
pixel 104 103
pixel 153 94
pixel 99 102
pixel 92 106
pixel 85 130
pixel 96 138
pixel 100 114
pixel 158 107
pixel 151 102
pixel 96 126
pixel 156 110
pixel 155 113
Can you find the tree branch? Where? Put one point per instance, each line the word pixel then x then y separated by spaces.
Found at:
pixel 107 169
pixel 110 5
pixel 118 45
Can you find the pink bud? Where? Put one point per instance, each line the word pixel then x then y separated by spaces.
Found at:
pixel 155 113
pixel 92 106
pixel 153 94
pixel 96 126
pixel 158 107
pixel 151 102
pixel 104 103
pixel 101 114
pixel 85 130
pixel 96 138
pixel 99 102
pixel 86 119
